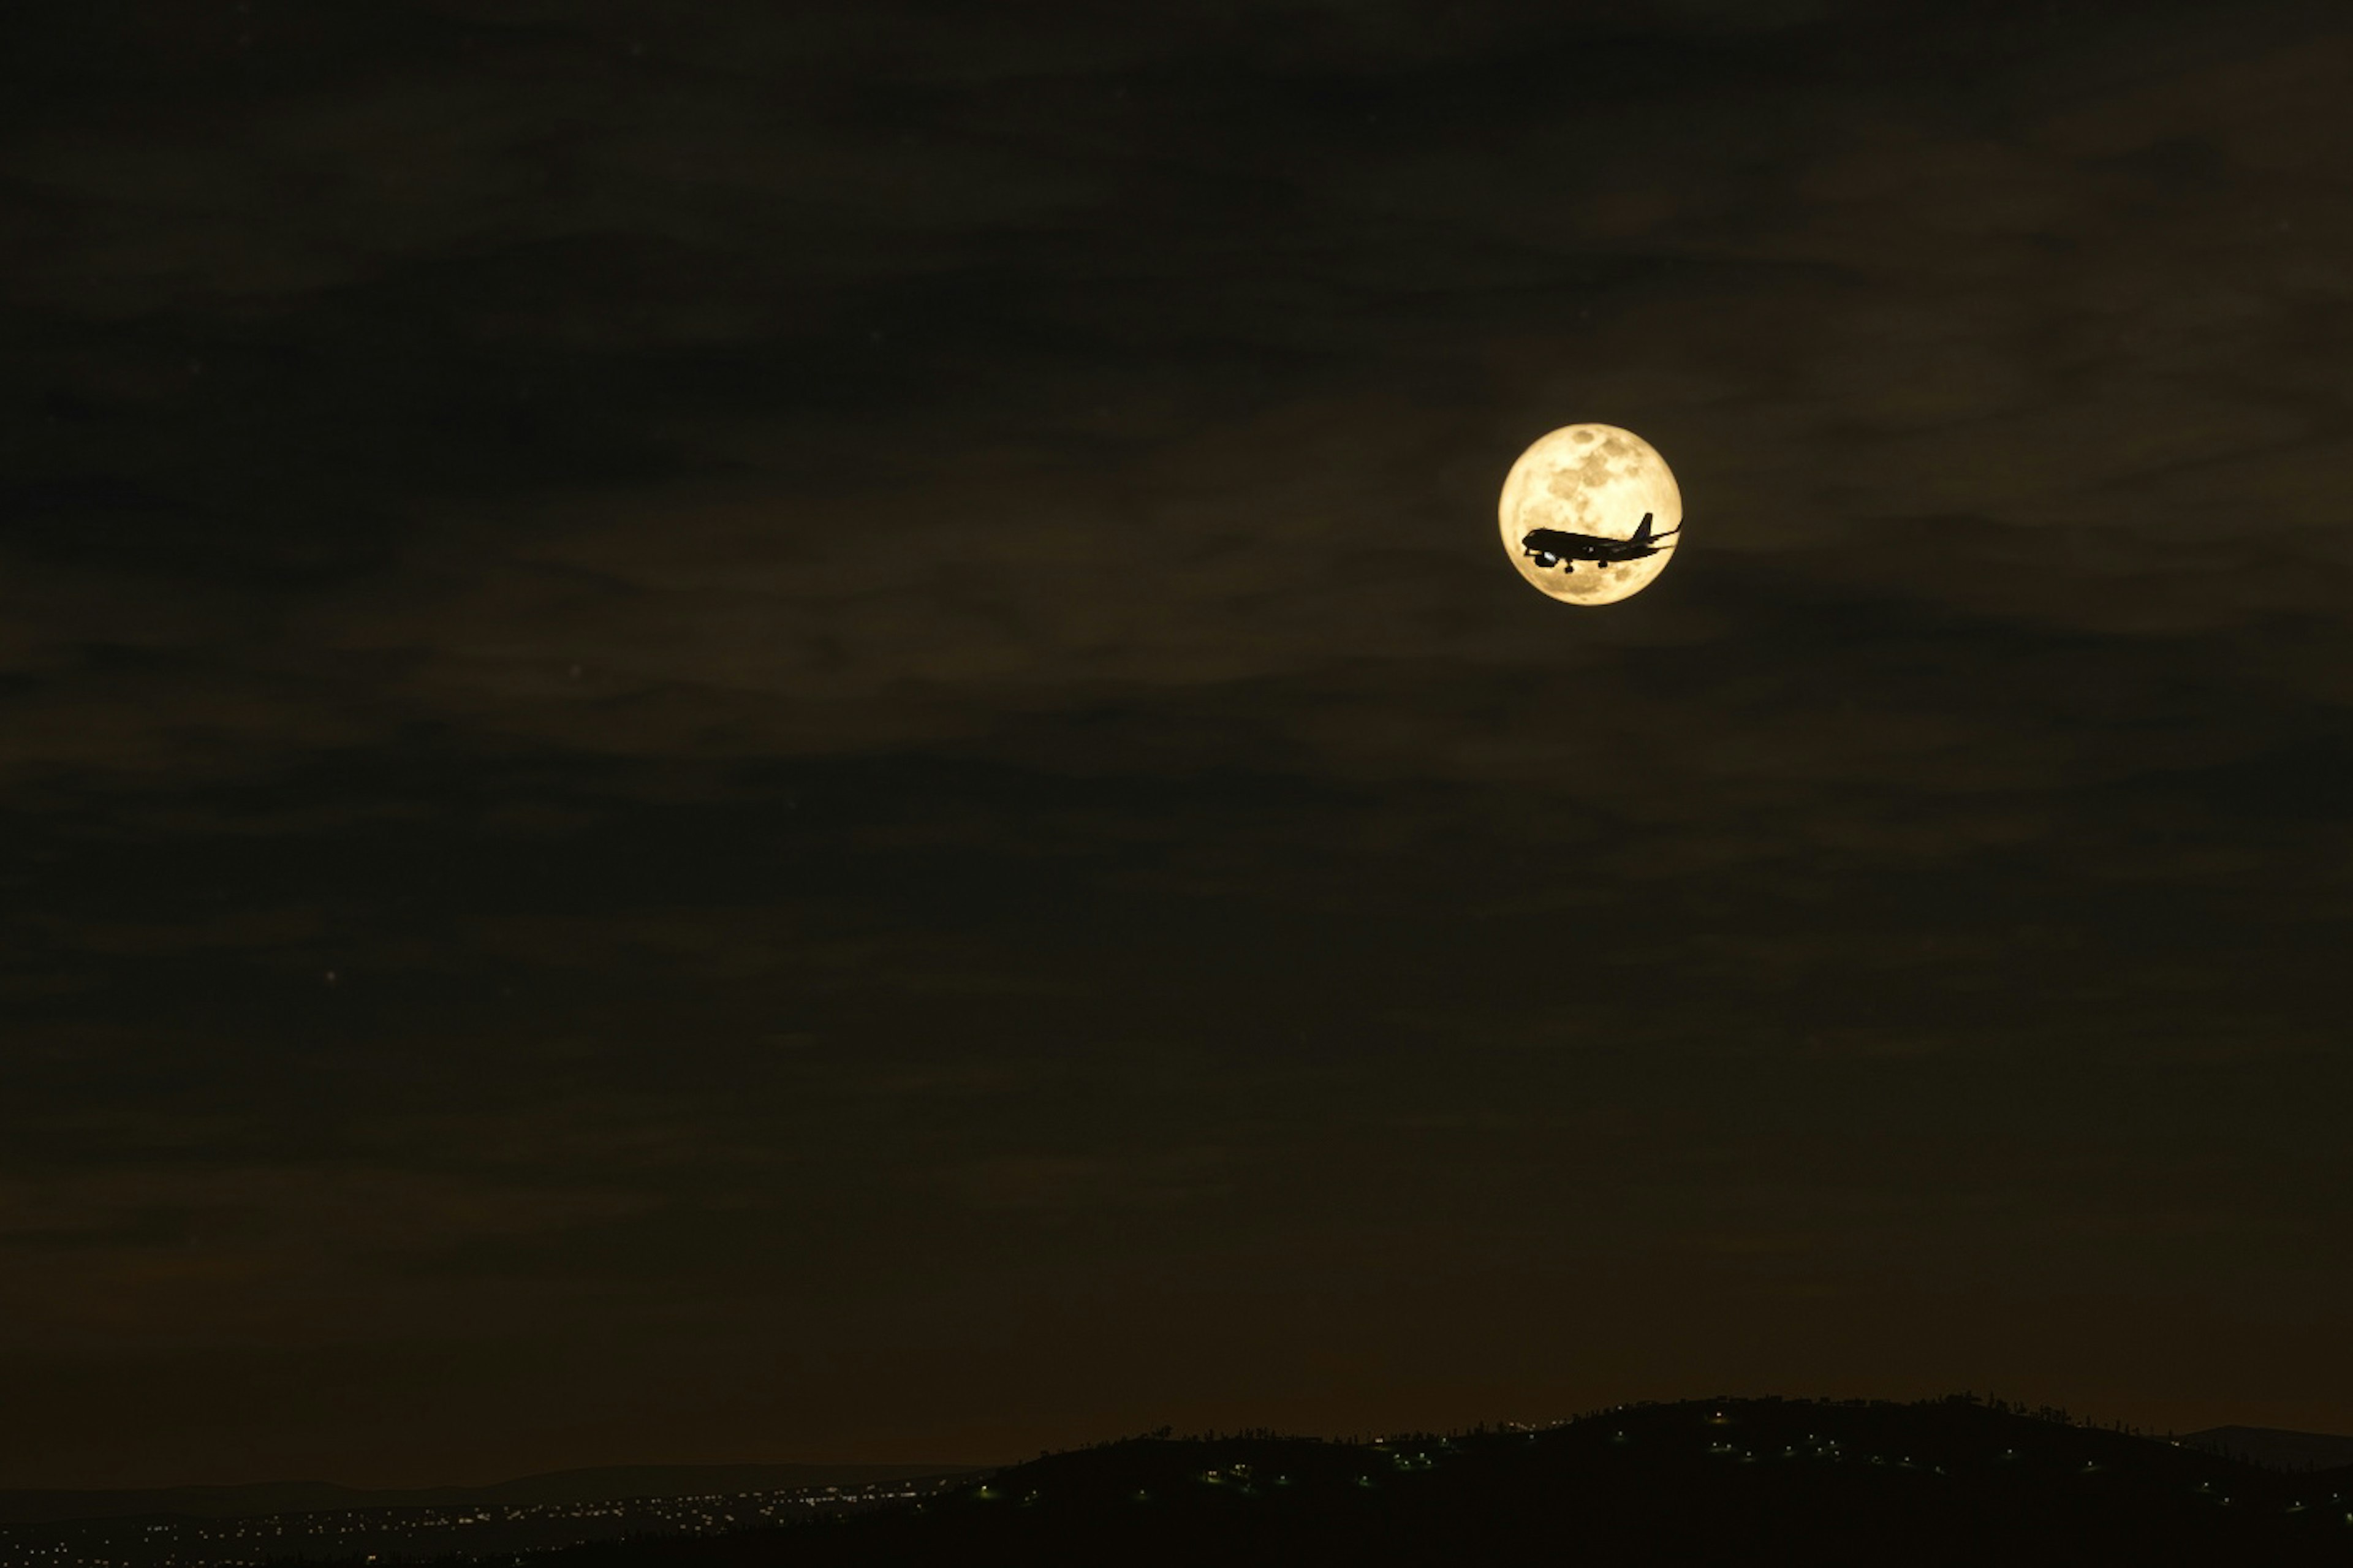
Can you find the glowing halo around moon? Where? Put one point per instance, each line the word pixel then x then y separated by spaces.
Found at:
pixel 1594 479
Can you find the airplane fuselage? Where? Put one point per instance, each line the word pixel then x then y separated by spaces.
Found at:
pixel 1553 547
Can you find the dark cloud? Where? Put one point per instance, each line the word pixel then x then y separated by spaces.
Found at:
pixel 818 710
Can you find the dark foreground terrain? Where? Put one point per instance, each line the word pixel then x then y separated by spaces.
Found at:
pixel 200 1528
pixel 1740 1482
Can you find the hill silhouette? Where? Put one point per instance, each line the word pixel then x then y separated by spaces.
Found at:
pixel 2271 1446
pixel 1734 1481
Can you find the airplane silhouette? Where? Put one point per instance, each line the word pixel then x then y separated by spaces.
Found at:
pixel 1551 547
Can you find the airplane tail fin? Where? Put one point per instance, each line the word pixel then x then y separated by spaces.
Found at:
pixel 1643 534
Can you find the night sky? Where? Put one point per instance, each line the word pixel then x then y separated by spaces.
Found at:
pixel 739 732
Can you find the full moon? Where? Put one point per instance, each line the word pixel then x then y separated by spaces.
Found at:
pixel 1599 481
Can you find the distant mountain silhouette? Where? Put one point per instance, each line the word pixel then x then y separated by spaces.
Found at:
pixel 2270 1446
pixel 1732 1481
pixel 608 1483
